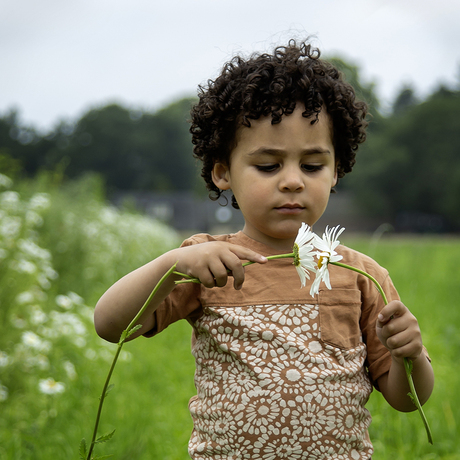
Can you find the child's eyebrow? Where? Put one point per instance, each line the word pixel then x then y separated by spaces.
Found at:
pixel 281 152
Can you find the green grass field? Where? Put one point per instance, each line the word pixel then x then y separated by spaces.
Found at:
pixel 61 249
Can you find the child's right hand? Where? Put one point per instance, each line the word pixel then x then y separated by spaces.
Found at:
pixel 213 262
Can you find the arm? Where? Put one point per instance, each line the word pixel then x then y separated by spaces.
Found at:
pixel 399 331
pixel 209 262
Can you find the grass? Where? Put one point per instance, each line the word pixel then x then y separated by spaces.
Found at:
pixel 425 271
pixel 80 246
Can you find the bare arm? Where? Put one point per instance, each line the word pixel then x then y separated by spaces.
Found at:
pixel 399 331
pixel 209 262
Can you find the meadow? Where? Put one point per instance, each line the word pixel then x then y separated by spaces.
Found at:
pixel 61 246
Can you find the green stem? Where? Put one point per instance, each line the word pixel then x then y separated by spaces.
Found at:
pixel 349 267
pixel 101 400
pixel 191 279
pixel 132 327
pixel 407 362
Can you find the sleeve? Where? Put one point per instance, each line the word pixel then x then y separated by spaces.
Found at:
pixel 182 303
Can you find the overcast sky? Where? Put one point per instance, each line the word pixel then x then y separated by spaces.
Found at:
pixel 60 57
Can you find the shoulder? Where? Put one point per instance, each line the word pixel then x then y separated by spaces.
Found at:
pixel 359 260
pixel 234 238
pixel 204 238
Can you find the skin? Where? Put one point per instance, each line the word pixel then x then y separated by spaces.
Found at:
pixel 281 175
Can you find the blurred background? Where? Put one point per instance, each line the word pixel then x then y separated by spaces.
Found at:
pixel 106 87
pixel 97 178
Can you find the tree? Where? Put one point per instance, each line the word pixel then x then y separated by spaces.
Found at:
pixel 411 166
pixel 132 150
pixel 405 99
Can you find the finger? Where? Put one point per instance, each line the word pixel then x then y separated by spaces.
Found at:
pixel 392 310
pixel 219 272
pixel 248 254
pixel 207 279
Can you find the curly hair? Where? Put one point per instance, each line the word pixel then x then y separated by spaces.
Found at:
pixel 272 85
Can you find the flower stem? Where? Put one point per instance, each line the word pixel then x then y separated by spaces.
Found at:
pixel 407 362
pixel 191 279
pixel 377 284
pixel 132 327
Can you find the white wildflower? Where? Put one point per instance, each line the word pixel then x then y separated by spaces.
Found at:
pixel 5 181
pixel 4 359
pixel 3 393
pixel 326 254
pixel 50 387
pixel 10 199
pixel 76 299
pixel 10 226
pixel 303 253
pixel 33 341
pixel 33 219
pixel 40 201
pixel 23 266
pixel 29 248
pixel 37 315
pixel 25 297
pixel 64 302
pixel 70 370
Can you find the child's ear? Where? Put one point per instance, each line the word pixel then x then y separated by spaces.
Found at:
pixel 221 176
pixel 336 177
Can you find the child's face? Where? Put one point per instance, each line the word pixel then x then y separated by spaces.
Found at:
pixel 281 175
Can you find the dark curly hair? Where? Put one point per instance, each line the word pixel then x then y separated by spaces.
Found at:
pixel 272 84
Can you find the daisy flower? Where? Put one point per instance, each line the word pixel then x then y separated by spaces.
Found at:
pixel 326 254
pixel 50 386
pixel 304 254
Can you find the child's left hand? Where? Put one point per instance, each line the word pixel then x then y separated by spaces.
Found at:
pixel 398 329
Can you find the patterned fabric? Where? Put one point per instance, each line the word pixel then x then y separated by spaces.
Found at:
pixel 281 375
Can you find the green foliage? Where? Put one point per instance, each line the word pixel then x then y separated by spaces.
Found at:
pixel 60 247
pixel 424 271
pixel 411 164
pixel 133 150
pixel 365 91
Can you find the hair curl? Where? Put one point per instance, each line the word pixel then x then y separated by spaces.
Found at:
pixel 271 85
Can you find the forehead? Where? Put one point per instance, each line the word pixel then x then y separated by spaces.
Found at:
pixel 294 133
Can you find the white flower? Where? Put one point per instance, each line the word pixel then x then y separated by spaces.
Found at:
pixel 40 201
pixel 70 370
pixel 5 181
pixel 3 393
pixel 64 302
pixel 31 340
pixel 4 359
pixel 50 387
pixel 326 254
pixel 303 253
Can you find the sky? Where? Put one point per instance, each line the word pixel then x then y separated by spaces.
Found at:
pixel 60 58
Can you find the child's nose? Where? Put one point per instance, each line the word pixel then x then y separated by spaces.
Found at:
pixel 292 181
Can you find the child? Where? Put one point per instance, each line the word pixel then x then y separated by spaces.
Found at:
pixel 279 374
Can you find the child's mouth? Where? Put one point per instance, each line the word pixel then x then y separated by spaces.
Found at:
pixel 290 209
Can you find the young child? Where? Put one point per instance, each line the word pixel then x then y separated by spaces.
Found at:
pixel 279 374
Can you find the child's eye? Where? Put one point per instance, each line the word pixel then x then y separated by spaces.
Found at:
pixel 267 168
pixel 312 168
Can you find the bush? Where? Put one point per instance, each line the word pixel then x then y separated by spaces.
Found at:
pixel 60 248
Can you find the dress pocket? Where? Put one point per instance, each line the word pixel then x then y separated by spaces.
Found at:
pixel 339 315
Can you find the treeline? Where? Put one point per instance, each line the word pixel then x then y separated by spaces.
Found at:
pixel 408 170
pixel 131 149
